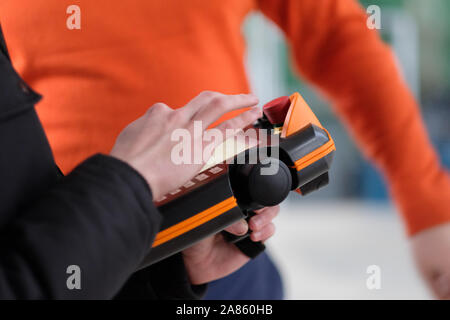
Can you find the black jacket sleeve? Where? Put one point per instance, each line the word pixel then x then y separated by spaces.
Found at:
pixel 166 279
pixel 99 218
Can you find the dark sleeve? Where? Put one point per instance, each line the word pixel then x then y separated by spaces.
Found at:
pixel 100 218
pixel 166 279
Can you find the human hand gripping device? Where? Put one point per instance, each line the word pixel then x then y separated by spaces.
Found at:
pixel 228 191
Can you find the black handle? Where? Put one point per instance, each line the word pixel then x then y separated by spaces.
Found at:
pixel 248 247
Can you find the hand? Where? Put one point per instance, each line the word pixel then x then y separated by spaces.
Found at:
pixel 431 249
pixel 146 144
pixel 214 258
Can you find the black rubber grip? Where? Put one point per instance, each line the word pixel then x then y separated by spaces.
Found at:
pixel 250 248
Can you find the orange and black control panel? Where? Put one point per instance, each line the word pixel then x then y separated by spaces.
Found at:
pixel 229 191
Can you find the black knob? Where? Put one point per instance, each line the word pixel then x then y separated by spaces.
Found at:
pixel 271 187
pixel 266 183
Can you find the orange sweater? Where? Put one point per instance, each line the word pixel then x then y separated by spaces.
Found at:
pixel 131 54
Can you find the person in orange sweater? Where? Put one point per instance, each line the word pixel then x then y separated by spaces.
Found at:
pixel 129 54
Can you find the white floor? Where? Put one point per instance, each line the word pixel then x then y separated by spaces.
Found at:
pixel 324 249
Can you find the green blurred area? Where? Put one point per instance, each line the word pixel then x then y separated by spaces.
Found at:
pixel 432 18
pixel 418 32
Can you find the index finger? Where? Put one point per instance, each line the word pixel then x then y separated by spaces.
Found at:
pixel 211 107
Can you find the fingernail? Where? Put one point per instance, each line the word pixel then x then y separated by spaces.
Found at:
pixel 241 227
pixel 256 235
pixel 252 96
pixel 256 222
pixel 256 110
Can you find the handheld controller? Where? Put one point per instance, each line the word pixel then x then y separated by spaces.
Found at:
pixel 227 192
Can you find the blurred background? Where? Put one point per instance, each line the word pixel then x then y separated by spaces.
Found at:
pixel 315 246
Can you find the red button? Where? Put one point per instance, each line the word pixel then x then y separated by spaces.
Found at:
pixel 277 109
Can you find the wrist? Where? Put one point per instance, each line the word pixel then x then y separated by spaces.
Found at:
pixel 151 176
pixel 145 174
pixel 153 184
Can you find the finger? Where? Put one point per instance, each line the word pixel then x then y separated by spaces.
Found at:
pixel 262 210
pixel 158 109
pixel 230 128
pixel 199 101
pixel 193 106
pixel 239 228
pixel 210 111
pixel 442 286
pixel 263 234
pixel 263 217
pixel 240 121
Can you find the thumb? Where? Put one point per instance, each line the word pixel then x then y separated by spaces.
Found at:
pixel 239 228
